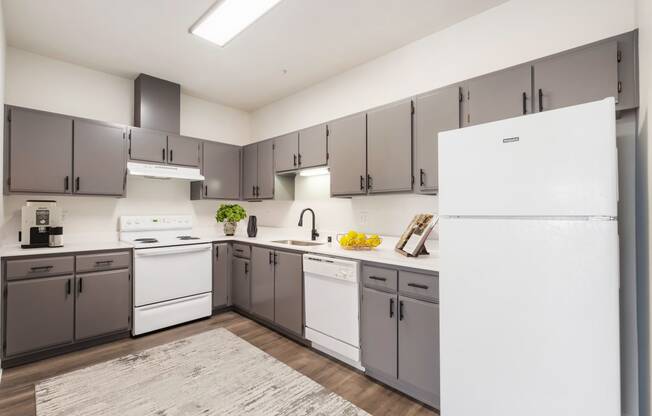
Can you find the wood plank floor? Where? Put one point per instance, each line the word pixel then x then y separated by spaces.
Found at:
pixel 17 386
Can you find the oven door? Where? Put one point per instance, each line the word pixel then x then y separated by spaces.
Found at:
pixel 167 273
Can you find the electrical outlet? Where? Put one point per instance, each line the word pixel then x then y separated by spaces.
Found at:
pixel 364 217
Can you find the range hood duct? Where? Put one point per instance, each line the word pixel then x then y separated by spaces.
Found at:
pixel 157 104
pixel 164 171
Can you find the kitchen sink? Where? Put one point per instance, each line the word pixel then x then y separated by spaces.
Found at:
pixel 298 242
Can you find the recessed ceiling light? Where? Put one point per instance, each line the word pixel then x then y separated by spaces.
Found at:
pixel 314 172
pixel 226 18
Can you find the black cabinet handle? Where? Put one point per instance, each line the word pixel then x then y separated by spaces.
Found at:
pixel 68 287
pixel 257 190
pixel 77 183
pixel 382 279
pixel 524 103
pixel 65 181
pixel 103 262
pixel 171 155
pixel 417 285
pixel 253 190
pixel 540 99
pixel 391 308
pixel 361 182
pixel 163 154
pixel 246 268
pixel 295 160
pixel 217 252
pixel 422 182
pixel 299 159
pixel 205 190
pixel 81 285
pixel 270 257
pixel 275 259
pixel 369 182
pixel 400 311
pixel 40 268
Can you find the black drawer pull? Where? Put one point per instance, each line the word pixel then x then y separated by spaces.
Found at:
pixel 239 250
pixel 103 262
pixel 382 279
pixel 246 268
pixel 417 285
pixel 400 311
pixel 391 308
pixel 40 268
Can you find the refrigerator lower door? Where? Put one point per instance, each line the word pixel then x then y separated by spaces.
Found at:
pixel 529 317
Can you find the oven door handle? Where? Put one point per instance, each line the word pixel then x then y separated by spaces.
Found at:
pixel 171 250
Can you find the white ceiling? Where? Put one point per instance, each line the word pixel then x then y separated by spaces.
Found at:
pixel 311 39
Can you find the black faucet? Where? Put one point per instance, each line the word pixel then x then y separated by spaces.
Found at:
pixel 314 234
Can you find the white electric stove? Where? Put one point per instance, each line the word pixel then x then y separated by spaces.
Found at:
pixel 172 271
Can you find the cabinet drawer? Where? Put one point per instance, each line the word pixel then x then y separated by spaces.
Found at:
pixel 242 250
pixel 103 261
pixel 422 286
pixel 40 267
pixel 379 278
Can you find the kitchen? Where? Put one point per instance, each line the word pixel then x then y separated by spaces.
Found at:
pixel 279 120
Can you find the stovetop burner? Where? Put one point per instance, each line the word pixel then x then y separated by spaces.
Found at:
pixel 146 240
pixel 187 237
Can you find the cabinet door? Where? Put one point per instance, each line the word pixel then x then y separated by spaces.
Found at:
pixel 434 112
pixel 286 152
pixel 288 292
pixel 347 147
pixel 262 282
pixel 103 303
pixel 265 188
pixel 240 283
pixel 378 331
pixel 183 151
pixel 312 146
pixel 40 152
pixel 99 158
pixel 577 77
pixel 221 272
pixel 389 148
pixel 418 345
pixel 40 314
pixel 497 96
pixel 222 171
pixel 249 171
pixel 147 145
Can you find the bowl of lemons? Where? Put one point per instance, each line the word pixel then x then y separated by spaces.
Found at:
pixel 358 241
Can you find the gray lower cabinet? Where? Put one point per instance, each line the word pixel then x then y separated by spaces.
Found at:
pixel 99 158
pixel 147 145
pixel 497 96
pixel 286 152
pixel 313 146
pixel 347 148
pixel 103 303
pixel 40 151
pixel 576 77
pixel 39 314
pixel 288 291
pixel 435 112
pixel 221 271
pixel 183 151
pixel 262 282
pixel 378 331
pixel 389 148
pixel 418 346
pixel 240 288
pixel 221 169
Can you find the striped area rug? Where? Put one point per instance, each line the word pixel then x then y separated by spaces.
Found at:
pixel 213 373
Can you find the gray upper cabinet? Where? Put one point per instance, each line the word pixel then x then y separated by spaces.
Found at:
pixel 221 272
pixel 418 346
pixel 628 70
pixel 434 112
pixel 103 303
pixel 378 331
pixel 183 151
pixel 313 146
pixel 389 148
pixel 99 158
pixel 286 152
pixel 262 282
pixel 576 77
pixel 40 151
pixel 347 147
pixel 240 288
pixel 265 188
pixel 221 168
pixel 39 314
pixel 147 145
pixel 498 96
pixel 288 291
pixel 249 171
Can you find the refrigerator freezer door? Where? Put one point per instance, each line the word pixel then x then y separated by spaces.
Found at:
pixel 529 317
pixel 555 163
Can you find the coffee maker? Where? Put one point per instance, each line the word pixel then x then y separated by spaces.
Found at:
pixel 41 224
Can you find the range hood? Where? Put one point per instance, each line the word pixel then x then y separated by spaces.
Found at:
pixel 164 171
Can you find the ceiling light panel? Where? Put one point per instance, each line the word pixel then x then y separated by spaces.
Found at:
pixel 227 18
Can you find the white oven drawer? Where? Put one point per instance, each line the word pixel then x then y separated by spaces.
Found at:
pixel 160 315
pixel 166 273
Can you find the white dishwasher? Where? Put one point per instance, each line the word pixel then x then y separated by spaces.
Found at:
pixel 332 304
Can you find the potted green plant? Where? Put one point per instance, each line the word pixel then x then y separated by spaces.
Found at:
pixel 230 214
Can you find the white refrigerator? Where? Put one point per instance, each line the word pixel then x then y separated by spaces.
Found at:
pixel 529 275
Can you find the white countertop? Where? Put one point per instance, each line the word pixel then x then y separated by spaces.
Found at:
pixel 382 254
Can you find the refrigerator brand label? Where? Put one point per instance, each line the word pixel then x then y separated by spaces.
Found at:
pixel 511 139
